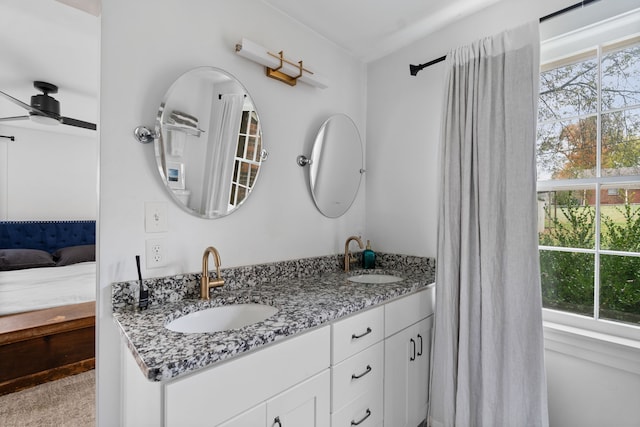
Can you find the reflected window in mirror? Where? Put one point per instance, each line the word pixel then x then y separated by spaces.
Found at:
pixel 248 157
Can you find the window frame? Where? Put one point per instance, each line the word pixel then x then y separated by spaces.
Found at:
pixel 573 52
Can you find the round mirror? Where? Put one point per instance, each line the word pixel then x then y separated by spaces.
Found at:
pixel 209 144
pixel 336 165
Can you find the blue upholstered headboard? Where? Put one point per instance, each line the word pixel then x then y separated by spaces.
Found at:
pixel 46 235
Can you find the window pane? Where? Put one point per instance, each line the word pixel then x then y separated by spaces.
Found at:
pixel 251 149
pixel 232 197
pixel 620 218
pixel 243 178
pixel 567 149
pixel 567 281
pixel 567 218
pixel 254 173
pixel 621 78
pixel 568 91
pixel 240 146
pixel 621 143
pixel 244 122
pixel 620 288
pixel 253 130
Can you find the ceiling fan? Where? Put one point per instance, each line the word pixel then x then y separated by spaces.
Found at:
pixel 45 109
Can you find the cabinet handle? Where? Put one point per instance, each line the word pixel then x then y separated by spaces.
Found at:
pixel 367 415
pixel 420 352
pixel 355 337
pixel 413 357
pixel 276 421
pixel 355 377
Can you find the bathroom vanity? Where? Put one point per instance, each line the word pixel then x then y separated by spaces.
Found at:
pixel 337 352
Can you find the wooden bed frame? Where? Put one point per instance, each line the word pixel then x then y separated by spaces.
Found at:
pixel 45 345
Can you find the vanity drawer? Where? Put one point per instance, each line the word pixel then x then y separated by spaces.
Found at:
pixel 356 333
pixel 364 411
pixel 357 375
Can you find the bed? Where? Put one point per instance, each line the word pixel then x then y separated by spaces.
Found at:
pixel 47 301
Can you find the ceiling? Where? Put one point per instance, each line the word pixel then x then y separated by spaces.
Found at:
pixel 371 29
pixel 56 42
pixel 49 41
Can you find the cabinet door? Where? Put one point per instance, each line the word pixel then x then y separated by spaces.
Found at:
pixel 406 375
pixel 398 350
pixel 252 418
pixel 419 375
pixel 305 405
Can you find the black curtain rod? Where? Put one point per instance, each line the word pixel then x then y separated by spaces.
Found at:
pixel 413 69
pixel 13 138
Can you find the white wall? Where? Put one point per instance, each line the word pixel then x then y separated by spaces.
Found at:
pixel 583 393
pixel 403 128
pixel 48 175
pixel 145 46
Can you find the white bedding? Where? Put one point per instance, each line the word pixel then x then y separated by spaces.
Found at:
pixel 38 288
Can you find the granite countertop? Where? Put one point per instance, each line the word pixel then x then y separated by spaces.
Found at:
pixel 303 303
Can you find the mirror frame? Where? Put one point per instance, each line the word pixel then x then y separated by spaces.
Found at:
pixel 160 144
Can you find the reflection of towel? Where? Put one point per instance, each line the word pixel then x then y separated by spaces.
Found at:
pixel 184 119
pixel 176 143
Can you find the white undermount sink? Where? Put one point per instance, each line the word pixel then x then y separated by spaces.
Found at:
pixel 221 318
pixel 374 278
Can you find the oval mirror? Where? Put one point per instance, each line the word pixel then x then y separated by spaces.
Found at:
pixel 209 145
pixel 336 165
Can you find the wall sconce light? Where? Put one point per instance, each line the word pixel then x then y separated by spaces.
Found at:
pixel 278 67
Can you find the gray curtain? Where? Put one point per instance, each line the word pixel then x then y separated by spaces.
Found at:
pixel 488 355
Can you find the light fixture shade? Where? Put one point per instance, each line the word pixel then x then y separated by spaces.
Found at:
pixel 43 120
pixel 253 51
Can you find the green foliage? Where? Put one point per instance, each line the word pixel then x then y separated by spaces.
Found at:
pixel 573 228
pixel 622 236
pixel 568 277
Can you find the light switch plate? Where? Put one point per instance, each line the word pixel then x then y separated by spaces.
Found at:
pixel 155 217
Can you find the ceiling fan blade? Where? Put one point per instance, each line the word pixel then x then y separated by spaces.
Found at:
pixel 26 106
pixel 77 123
pixel 20 103
pixel 11 119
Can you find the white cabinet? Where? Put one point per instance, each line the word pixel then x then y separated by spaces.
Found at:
pixel 215 395
pixel 304 405
pixel 357 370
pixel 253 417
pixel 379 373
pixel 406 381
pixel 287 379
pixel 407 351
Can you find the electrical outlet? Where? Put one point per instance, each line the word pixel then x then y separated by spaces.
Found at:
pixel 156 253
pixel 155 217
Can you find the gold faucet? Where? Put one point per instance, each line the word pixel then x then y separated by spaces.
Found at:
pixel 205 283
pixel 348 257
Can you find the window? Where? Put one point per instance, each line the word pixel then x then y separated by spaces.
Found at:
pixel 247 159
pixel 588 165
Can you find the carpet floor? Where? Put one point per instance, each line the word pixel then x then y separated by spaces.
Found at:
pixel 69 402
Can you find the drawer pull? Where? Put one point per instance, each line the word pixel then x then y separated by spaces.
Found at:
pixel 276 421
pixel 420 352
pixel 355 337
pixel 413 343
pixel 356 377
pixel 367 415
